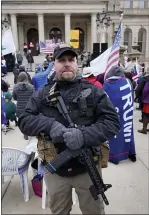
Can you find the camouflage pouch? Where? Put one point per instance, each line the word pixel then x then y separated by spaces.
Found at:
pixel 46 148
pixel 105 154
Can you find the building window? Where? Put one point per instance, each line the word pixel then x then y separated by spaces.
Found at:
pixel 141 3
pixel 128 4
pixel 55 35
pixel 128 39
pixel 142 40
pixel 32 36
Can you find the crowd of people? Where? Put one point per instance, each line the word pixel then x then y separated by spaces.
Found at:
pixel 105 114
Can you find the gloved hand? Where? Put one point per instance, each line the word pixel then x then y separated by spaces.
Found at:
pixel 73 138
pixel 56 132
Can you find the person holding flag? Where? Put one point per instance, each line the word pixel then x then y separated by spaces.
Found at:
pixel 120 91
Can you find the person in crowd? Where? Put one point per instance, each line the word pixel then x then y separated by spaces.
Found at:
pixel 3 67
pixel 127 63
pixel 4 86
pixel 129 76
pixel 142 72
pixel 30 59
pixel 143 68
pixel 19 58
pixel 130 65
pixel 16 72
pixel 25 49
pixel 120 92
pixel 100 78
pixel 10 62
pixel 37 48
pixel 3 109
pixel 139 99
pixel 10 109
pixel 48 58
pixel 89 59
pixel 31 46
pixel 22 69
pixel 22 92
pixel 88 75
pixel 142 92
pixel 41 118
pixel 39 69
pixel 45 64
pixel 85 59
pixel 40 78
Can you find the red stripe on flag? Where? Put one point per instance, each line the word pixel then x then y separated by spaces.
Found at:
pixel 114 53
pixel 113 61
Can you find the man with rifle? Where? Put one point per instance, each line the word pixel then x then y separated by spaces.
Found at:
pixel 71 118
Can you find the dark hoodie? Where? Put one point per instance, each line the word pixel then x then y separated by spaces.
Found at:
pixel 22 93
pixel 140 87
pixel 22 69
pixel 116 72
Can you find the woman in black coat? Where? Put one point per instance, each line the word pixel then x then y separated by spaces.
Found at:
pixel 30 59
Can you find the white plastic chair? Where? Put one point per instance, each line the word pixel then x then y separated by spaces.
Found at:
pixel 14 162
pixel 32 147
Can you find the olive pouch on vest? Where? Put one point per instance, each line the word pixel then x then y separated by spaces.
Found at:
pixel 46 148
pixel 104 154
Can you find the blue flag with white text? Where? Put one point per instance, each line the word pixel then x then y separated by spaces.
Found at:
pixel 120 93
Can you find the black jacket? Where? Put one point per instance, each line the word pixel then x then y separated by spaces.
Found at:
pixel 22 91
pixel 38 117
pixel 140 87
pixel 101 121
pixel 4 86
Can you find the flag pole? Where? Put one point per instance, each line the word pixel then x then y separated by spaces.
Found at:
pixel 121 21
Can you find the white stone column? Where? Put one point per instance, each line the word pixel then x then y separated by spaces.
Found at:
pixel 110 34
pixel 103 36
pixel 14 29
pixel 21 36
pixel 88 45
pixel 93 30
pixel 41 27
pixel 67 28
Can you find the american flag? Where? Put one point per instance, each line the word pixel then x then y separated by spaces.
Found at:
pixel 46 49
pixel 114 55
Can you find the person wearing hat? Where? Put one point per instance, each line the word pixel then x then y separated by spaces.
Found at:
pixel 10 109
pixel 88 75
pixel 142 91
pixel 98 123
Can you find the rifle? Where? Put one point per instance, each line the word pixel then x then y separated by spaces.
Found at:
pixel 84 154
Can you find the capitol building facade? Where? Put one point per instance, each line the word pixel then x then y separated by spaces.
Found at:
pixel 34 20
